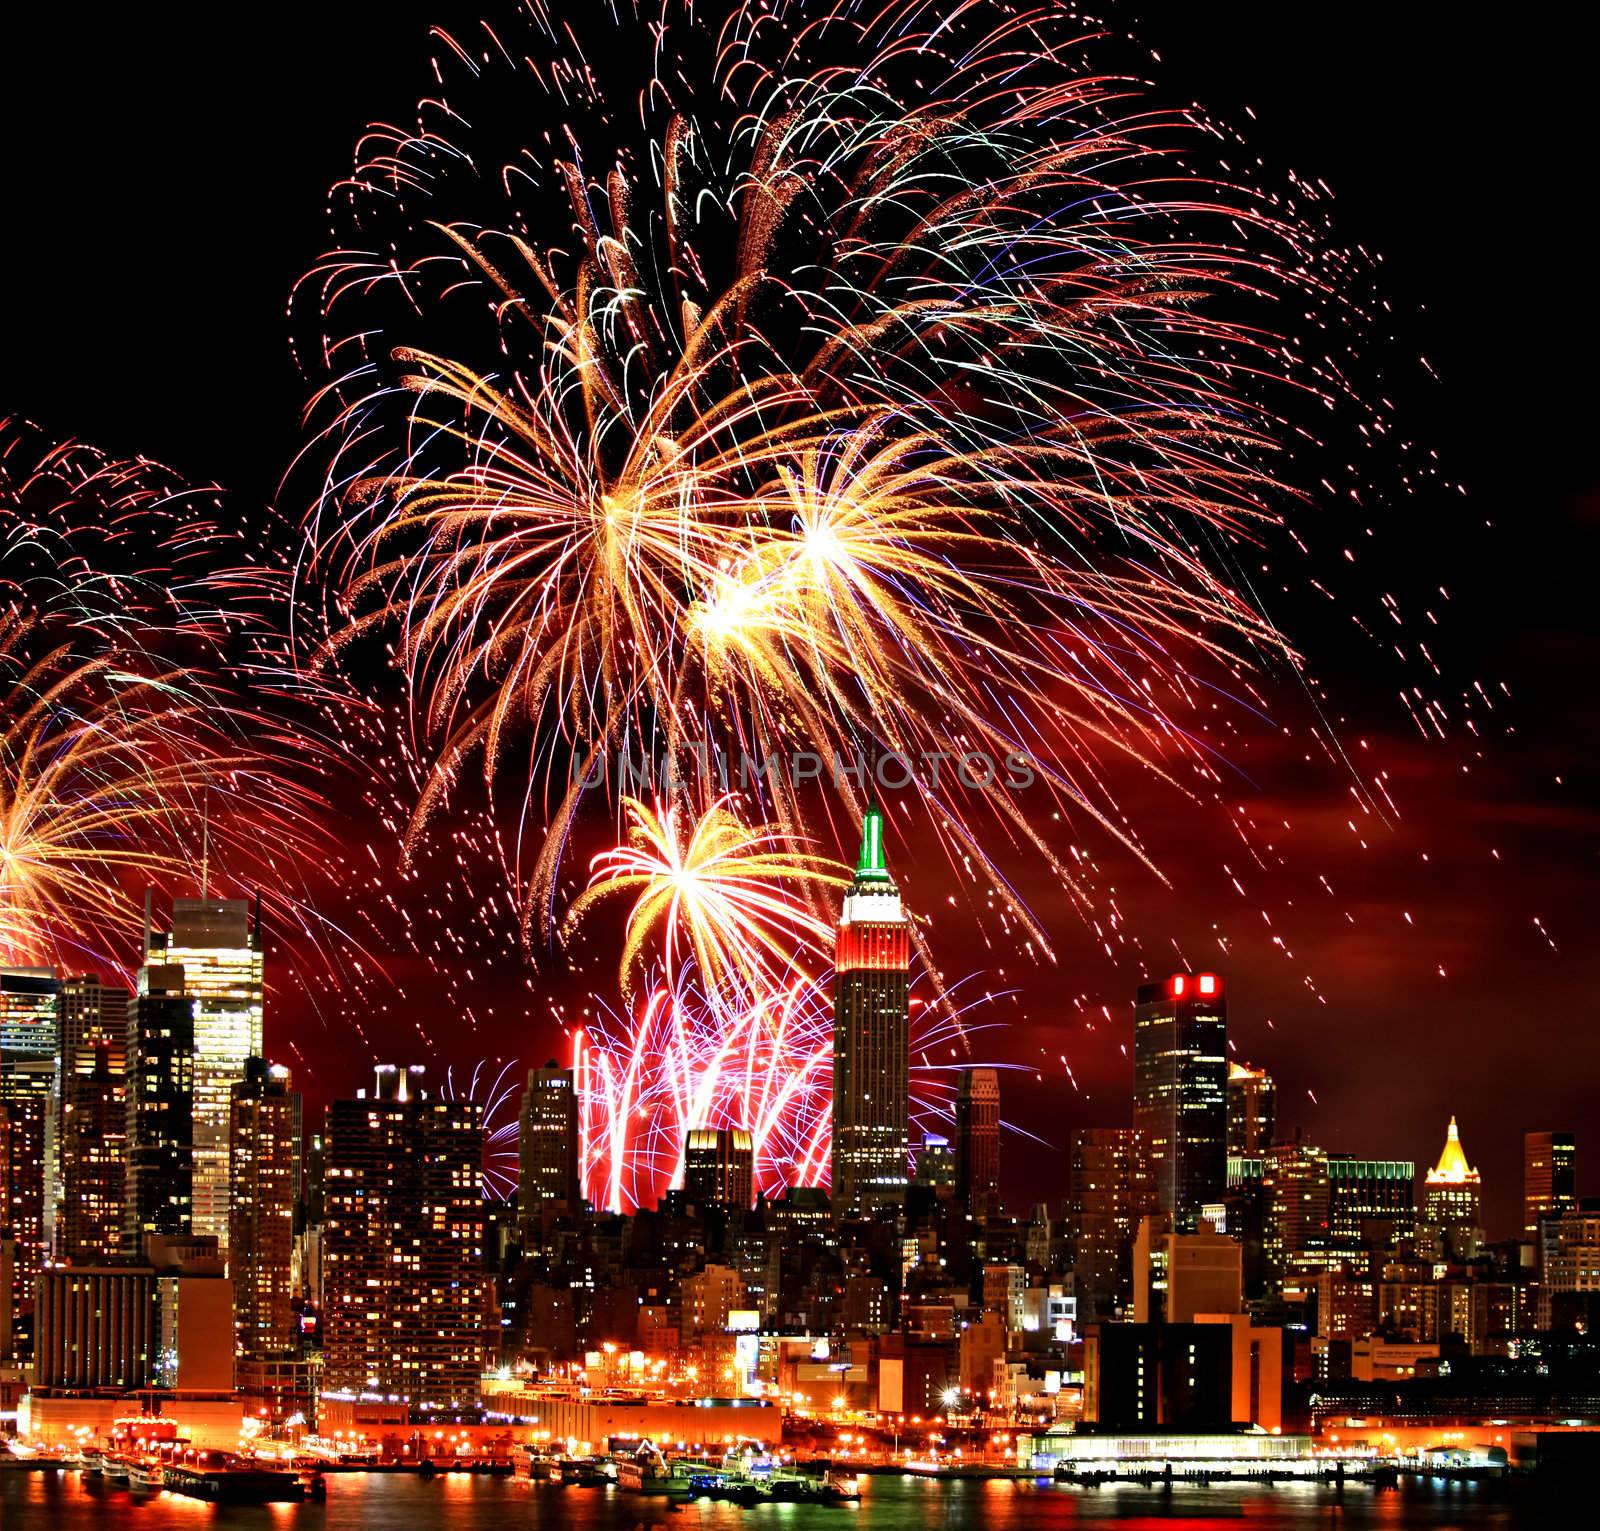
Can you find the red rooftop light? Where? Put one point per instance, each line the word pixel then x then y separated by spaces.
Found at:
pixel 1206 985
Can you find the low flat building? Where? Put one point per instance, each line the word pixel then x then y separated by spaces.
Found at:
pixel 1087 1449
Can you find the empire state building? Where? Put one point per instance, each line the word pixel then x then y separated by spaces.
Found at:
pixel 871 1023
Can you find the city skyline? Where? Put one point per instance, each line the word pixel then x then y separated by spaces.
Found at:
pixel 753 744
pixel 1498 821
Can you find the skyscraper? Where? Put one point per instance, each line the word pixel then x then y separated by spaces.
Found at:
pixel 871 1043
pixel 158 1189
pixel 1371 1203
pixel 212 941
pixel 1298 1194
pixel 1452 1197
pixel 1110 1191
pixel 719 1166
pixel 1549 1178
pixel 1252 1110
pixel 91 1120
pixel 403 1245
pixel 547 1145
pixel 978 1141
pixel 1180 1091
pixel 28 1041
pixel 265 1139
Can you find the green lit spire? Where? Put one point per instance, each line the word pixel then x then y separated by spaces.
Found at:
pixel 871 862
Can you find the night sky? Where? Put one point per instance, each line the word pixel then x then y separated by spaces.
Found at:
pixel 164 185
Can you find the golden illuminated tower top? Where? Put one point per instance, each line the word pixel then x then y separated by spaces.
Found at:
pixel 1452 1168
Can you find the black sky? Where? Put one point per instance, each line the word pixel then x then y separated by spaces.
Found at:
pixel 163 185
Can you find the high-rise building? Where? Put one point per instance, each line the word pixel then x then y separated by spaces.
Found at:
pixel 1549 1178
pixel 212 941
pixel 402 1256
pixel 1180 1091
pixel 28 1044
pixel 9 1307
pixel 871 1037
pixel 1371 1204
pixel 1252 1110
pixel 1297 1193
pixel 978 1141
pixel 92 1016
pixel 1110 1191
pixel 548 1144
pixel 936 1164
pixel 719 1166
pixel 1569 1263
pixel 91 1120
pixel 159 1176
pixel 1452 1197
pixel 265 1139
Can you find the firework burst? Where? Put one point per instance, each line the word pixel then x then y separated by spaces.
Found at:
pixel 111 780
pixel 922 405
pixel 729 895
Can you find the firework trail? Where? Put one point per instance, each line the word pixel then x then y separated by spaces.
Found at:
pixel 678 1060
pixel 495 1084
pixel 875 378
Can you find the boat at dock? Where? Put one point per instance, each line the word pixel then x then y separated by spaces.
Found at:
pixel 237 1484
pixel 644 1471
pixel 547 1467
pixel 731 1486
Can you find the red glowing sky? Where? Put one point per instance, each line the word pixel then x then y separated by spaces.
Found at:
pixel 1449 966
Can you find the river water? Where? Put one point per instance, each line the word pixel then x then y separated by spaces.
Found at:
pixel 66 1501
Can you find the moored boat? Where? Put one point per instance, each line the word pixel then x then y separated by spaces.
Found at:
pixel 236 1485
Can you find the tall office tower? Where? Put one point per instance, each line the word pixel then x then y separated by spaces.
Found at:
pixel 978 1141
pixel 265 1145
pixel 548 1145
pixel 1549 1178
pixel 1110 1191
pixel 1297 1191
pixel 871 1038
pixel 220 954
pixel 91 1120
pixel 159 1176
pixel 719 1165
pixel 1452 1197
pixel 28 1042
pixel 1180 1091
pixel 1252 1110
pixel 402 1258
pixel 1371 1204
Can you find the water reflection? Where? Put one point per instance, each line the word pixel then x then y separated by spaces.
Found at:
pixel 61 1501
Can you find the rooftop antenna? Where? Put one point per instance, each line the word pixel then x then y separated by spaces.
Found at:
pixel 205 840
pixel 147 931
